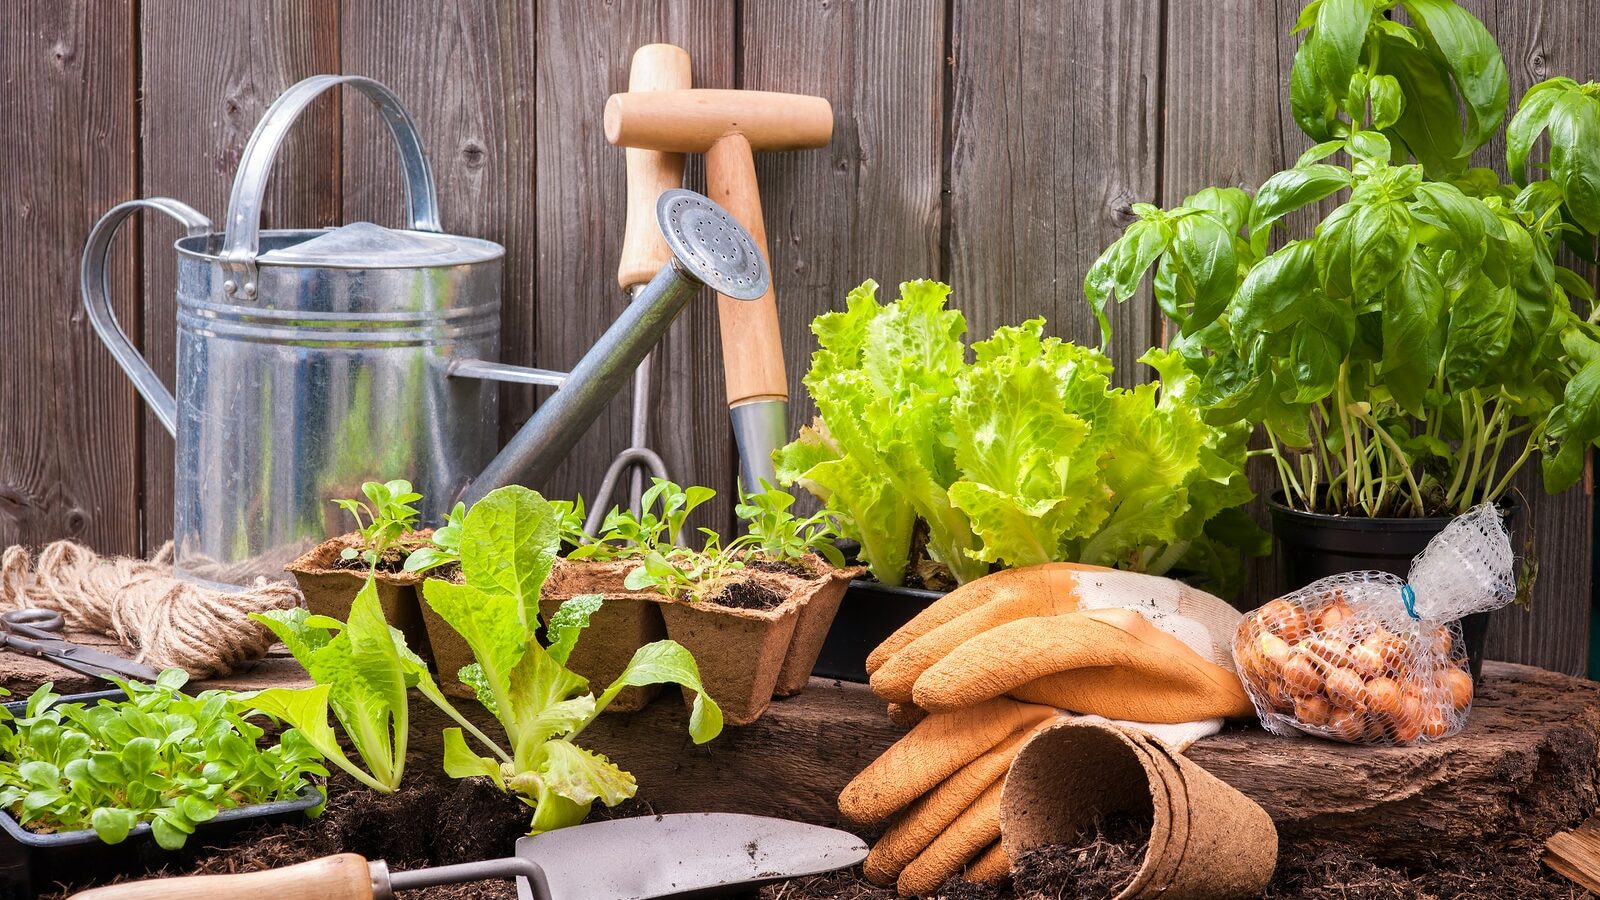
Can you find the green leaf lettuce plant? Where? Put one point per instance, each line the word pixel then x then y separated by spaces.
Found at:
pixel 1416 345
pixel 509 543
pixel 1024 455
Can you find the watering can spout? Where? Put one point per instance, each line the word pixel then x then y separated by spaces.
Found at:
pixel 710 248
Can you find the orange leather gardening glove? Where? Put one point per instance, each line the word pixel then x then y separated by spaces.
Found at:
pixel 1079 638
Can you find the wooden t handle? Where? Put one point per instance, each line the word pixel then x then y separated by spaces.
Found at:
pixel 656 67
pixel 342 877
pixel 752 345
pixel 691 121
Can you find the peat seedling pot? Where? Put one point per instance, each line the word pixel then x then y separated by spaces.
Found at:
pixel 32 863
pixel 330 588
pixel 740 652
pixel 821 592
pixel 1310 546
pixel 868 613
pixel 626 621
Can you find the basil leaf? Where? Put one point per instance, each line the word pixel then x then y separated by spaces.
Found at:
pixel 1468 50
pixel 1274 293
pixel 1413 333
pixel 1578 421
pixel 1533 116
pixel 1431 127
pixel 1208 268
pixel 1381 238
pixel 1318 347
pixel 1481 320
pixel 1290 190
pixel 1574 163
pixel 1334 245
pixel 1388 101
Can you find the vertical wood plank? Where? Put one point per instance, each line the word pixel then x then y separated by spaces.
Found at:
pixel 868 205
pixel 1541 39
pixel 69 458
pixel 465 70
pixel 1228 123
pixel 209 73
pixel 1054 125
pixel 584 53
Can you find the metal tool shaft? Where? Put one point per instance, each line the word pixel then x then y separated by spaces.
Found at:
pixel 546 438
pixel 385 883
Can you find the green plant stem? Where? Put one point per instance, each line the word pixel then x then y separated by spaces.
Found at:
pixel 1405 465
pixel 1341 399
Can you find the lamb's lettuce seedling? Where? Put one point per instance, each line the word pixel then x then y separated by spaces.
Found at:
pixel 160 756
pixel 509 544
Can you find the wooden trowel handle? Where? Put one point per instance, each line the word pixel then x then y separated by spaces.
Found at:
pixel 656 67
pixel 342 877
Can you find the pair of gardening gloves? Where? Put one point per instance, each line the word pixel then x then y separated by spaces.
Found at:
pixel 997 660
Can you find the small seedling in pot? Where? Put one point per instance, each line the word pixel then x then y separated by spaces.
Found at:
pixel 664 508
pixel 388 518
pixel 681 572
pixel 443 547
pixel 775 533
pixel 569 522
pixel 161 757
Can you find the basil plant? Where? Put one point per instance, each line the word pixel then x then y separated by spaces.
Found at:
pixel 1398 321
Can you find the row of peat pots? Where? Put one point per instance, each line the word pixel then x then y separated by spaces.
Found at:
pixel 1307 547
pixel 755 636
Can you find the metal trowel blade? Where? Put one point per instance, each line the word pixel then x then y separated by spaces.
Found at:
pixel 683 855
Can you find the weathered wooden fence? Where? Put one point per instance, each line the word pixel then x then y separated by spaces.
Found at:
pixel 996 144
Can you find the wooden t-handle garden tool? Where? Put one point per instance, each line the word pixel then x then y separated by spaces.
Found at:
pixel 656 67
pixel 728 127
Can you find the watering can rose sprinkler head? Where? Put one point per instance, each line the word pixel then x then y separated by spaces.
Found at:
pixel 709 249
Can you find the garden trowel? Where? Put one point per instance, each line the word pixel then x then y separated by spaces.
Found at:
pixel 681 855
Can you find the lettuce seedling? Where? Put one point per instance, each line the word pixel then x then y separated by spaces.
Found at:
pixel 509 542
pixel 664 508
pixel 443 547
pixel 160 756
pixel 361 671
pixel 389 517
pixel 772 531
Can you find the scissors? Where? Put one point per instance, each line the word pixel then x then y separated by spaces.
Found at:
pixel 37 632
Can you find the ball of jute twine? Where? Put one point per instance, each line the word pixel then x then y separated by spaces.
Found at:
pixel 166 621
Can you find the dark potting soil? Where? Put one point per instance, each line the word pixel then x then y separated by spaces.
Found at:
pixel 1305 872
pixel 1098 868
pixel 392 561
pixel 780 567
pixel 747 594
pixel 434 820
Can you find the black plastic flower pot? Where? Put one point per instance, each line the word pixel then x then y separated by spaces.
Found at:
pixel 1309 546
pixel 869 613
pixel 32 863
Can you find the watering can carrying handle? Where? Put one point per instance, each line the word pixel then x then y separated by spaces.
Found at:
pixel 240 243
pixel 96 298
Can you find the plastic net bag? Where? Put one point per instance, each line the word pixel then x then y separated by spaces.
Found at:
pixel 1368 658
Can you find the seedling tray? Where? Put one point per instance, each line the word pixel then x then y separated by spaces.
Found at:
pixel 33 863
pixel 870 612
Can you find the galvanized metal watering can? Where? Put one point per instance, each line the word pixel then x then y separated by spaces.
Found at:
pixel 311 360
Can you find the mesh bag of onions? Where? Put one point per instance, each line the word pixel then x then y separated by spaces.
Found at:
pixel 1368 658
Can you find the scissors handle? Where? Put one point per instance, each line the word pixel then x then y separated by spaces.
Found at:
pixel 32 621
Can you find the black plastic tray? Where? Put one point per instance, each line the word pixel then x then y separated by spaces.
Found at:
pixel 32 863
pixel 870 612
